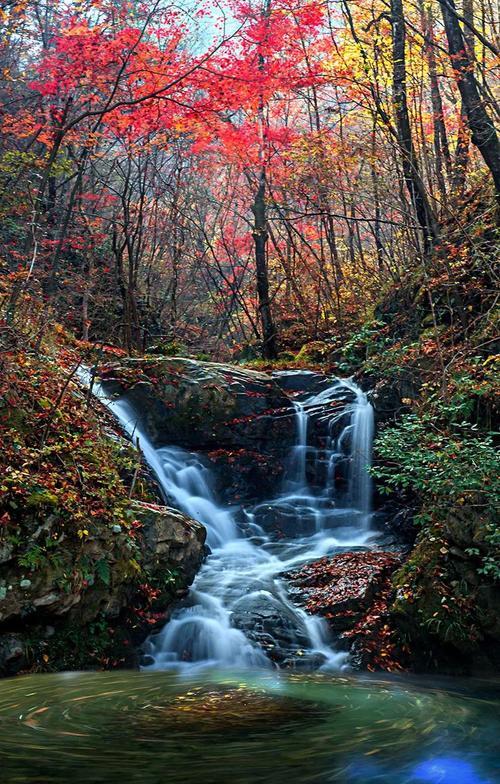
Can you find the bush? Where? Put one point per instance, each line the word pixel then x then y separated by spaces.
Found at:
pixel 450 469
pixel 447 466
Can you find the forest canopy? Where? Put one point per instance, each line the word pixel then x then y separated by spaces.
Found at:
pixel 246 174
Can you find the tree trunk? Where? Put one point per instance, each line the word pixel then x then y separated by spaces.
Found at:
pixel 411 174
pixel 260 236
pixel 441 147
pixel 260 232
pixel 483 132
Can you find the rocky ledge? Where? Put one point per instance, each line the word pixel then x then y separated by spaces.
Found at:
pixel 240 420
pixel 61 619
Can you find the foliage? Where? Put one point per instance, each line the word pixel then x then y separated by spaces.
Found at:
pixel 445 467
pixel 132 143
pixel 67 528
pixel 363 343
pixel 353 591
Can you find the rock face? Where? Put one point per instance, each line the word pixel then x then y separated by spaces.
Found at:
pixel 49 601
pixel 170 540
pixel 239 419
pixel 301 384
pixel 445 603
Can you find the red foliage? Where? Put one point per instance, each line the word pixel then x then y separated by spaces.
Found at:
pixel 353 591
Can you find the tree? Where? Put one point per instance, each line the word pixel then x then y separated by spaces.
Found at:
pixel 483 131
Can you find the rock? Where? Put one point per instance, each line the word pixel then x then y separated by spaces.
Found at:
pixel 171 539
pixel 6 551
pixel 46 601
pixel 168 550
pixel 397 521
pixel 281 518
pixel 354 592
pixel 342 588
pixel 240 419
pixel 12 654
pixel 446 607
pixel 204 405
pixel 265 621
pixel 391 399
pixel 301 384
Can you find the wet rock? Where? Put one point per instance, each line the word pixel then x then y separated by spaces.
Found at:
pixel 354 591
pixel 303 661
pixel 266 622
pixel 281 519
pixel 12 654
pixel 396 520
pixel 204 405
pixel 301 384
pixel 240 419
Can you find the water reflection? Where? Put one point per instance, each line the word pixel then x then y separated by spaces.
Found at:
pixel 245 728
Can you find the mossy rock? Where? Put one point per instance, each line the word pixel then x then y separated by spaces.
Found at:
pixel 446 611
pixel 204 405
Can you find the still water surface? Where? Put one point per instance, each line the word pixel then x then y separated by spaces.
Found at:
pixel 230 728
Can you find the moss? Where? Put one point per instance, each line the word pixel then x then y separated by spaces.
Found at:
pixel 436 606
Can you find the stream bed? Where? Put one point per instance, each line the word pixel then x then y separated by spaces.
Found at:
pixel 247 727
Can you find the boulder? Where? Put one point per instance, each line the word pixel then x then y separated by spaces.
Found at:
pixel 170 538
pixel 128 577
pixel 354 592
pixel 447 602
pixel 240 419
pixel 301 384
pixel 204 405
pixel 266 622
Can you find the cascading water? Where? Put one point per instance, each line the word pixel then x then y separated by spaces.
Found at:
pixel 238 592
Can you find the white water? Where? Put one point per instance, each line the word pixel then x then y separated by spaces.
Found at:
pixel 239 583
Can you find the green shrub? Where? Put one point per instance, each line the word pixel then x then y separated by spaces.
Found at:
pixel 445 465
pixel 453 468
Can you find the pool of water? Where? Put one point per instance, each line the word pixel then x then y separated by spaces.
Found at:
pixel 246 728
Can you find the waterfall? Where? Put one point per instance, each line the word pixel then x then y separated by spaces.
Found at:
pixel 297 471
pixel 354 423
pixel 224 621
pixel 361 453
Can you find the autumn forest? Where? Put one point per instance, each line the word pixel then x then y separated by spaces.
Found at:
pixel 249 388
pixel 253 174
